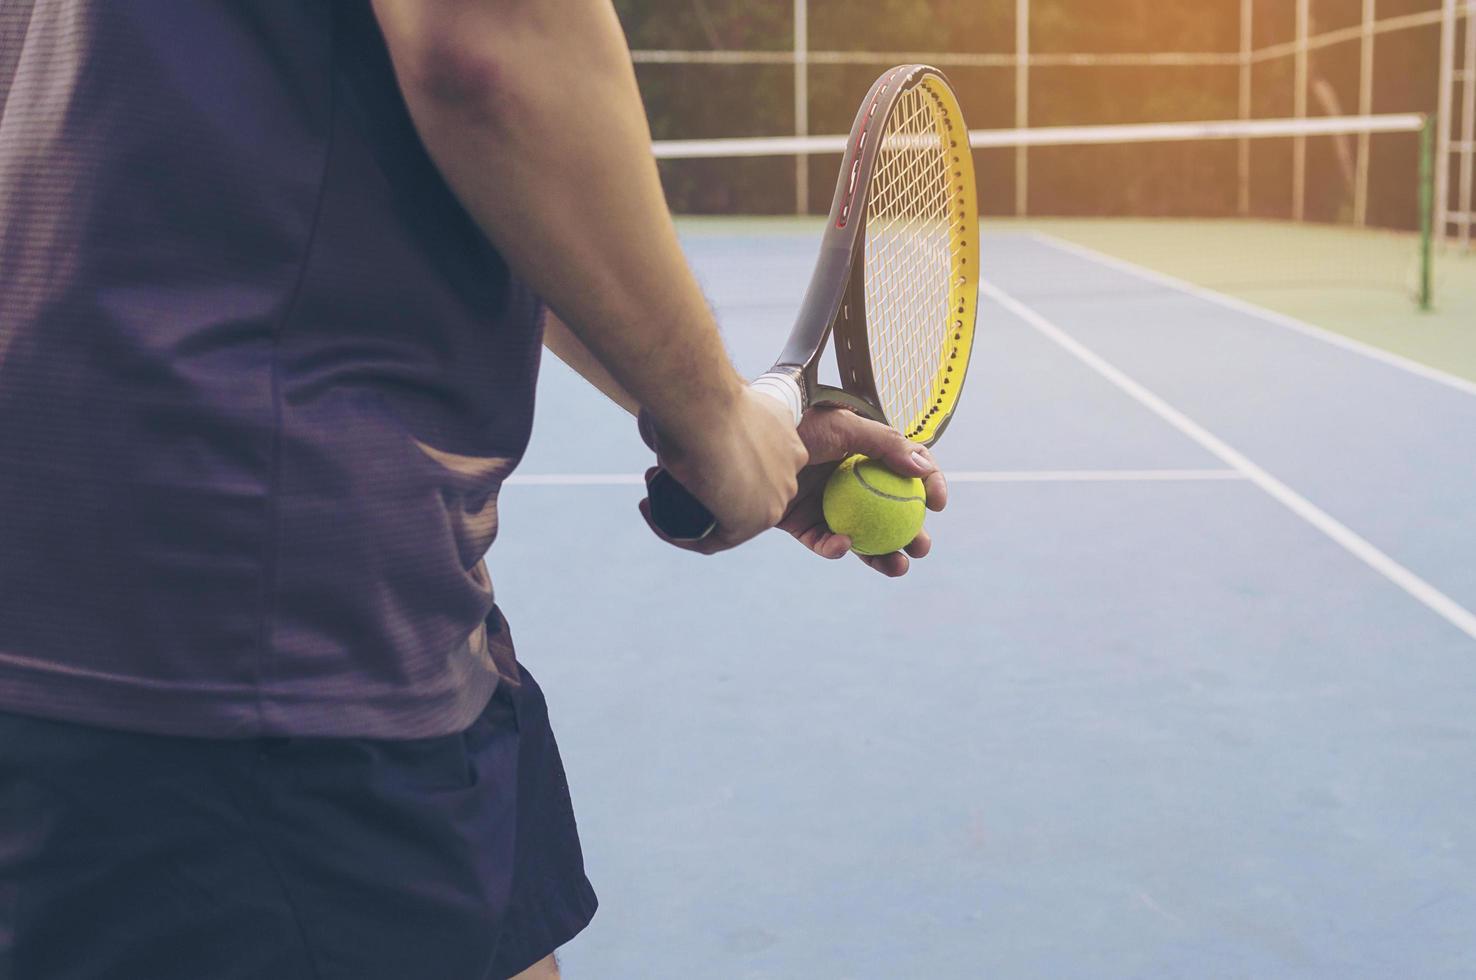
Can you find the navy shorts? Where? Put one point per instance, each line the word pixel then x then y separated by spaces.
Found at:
pixel 140 857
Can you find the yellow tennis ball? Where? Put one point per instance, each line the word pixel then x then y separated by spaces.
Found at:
pixel 880 511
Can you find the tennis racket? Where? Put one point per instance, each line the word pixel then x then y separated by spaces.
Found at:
pixel 896 283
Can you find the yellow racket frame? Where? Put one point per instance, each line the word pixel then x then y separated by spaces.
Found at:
pixel 963 290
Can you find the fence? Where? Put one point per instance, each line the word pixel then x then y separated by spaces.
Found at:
pixel 1453 104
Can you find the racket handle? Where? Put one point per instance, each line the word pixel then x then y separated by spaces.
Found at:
pixel 681 516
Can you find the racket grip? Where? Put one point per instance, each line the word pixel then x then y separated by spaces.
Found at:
pixel 674 510
pixel 784 389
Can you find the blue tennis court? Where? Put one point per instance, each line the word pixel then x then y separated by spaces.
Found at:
pixel 1184 690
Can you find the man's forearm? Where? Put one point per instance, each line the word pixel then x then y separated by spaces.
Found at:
pixel 558 338
pixel 530 110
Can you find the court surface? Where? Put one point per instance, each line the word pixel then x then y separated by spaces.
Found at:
pixel 1187 689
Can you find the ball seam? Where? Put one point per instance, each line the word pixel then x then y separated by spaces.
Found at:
pixel 856 472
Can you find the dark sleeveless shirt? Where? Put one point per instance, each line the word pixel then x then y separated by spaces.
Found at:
pixel 260 380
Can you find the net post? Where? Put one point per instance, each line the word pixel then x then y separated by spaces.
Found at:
pixel 1022 103
pixel 1468 130
pixel 1299 104
pixel 1365 107
pixel 801 103
pixel 1444 113
pixel 1247 11
pixel 1427 208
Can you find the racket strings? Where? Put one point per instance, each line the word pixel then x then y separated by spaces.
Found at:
pixel 910 260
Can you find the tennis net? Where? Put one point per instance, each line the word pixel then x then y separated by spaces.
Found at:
pixel 1315 202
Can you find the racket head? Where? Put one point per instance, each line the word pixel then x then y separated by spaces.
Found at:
pixel 907 206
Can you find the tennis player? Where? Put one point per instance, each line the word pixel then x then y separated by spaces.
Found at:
pixel 273 280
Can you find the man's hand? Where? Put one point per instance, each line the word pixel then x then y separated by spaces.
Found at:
pixel 832 434
pixel 743 469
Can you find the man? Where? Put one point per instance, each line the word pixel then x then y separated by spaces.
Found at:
pixel 272 277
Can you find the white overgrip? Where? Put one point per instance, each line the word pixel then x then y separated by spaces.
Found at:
pixel 784 389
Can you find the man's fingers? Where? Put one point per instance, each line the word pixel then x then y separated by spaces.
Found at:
pixel 831 434
pixel 825 542
pixel 903 457
pixel 935 490
pixel 921 545
pixel 834 433
pixel 821 540
pixel 893 565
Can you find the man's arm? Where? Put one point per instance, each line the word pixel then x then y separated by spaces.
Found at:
pixel 530 110
pixel 559 339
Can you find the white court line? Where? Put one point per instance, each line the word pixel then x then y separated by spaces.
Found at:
pixel 1086 476
pixel 1443 605
pixel 576 479
pixel 954 476
pixel 1259 312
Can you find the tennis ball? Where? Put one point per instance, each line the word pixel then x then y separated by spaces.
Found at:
pixel 880 511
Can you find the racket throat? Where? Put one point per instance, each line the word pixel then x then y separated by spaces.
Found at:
pixel 853 353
